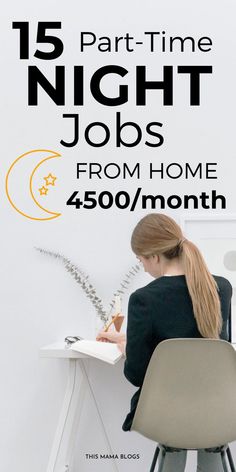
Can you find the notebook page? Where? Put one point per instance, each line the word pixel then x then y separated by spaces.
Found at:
pixel 107 352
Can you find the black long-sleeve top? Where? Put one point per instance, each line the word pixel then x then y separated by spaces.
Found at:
pixel 162 310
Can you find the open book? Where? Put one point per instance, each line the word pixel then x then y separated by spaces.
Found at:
pixel 107 352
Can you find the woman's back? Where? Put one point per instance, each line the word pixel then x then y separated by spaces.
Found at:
pixel 171 309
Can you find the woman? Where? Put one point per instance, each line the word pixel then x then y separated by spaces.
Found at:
pixel 184 301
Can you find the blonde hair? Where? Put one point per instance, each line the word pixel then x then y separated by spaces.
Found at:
pixel 159 234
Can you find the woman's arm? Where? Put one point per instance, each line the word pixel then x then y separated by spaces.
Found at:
pixel 139 347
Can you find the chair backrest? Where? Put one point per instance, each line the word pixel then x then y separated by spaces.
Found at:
pixel 188 398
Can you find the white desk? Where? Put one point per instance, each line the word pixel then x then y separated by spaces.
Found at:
pixel 64 439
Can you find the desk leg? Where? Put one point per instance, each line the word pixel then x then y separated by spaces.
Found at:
pixel 70 412
pixel 105 436
pixel 63 444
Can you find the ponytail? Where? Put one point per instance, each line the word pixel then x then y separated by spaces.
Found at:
pixel 203 291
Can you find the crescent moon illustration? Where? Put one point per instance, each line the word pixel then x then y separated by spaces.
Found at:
pixel 27 194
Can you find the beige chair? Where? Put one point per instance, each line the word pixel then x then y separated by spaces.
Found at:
pixel 188 398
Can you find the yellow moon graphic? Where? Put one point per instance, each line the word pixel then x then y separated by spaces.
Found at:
pixel 37 153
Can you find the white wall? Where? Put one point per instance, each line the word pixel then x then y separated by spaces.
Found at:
pixel 40 302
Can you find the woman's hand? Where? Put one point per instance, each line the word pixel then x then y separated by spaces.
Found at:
pixel 111 337
pixel 122 346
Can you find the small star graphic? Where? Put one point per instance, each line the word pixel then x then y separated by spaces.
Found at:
pixel 50 179
pixel 43 190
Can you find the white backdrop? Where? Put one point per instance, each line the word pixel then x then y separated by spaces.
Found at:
pixel 40 302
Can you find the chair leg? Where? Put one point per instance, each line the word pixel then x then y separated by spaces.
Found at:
pixel 154 460
pixel 163 454
pixel 223 457
pixel 230 459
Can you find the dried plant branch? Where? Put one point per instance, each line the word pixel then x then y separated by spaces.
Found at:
pixel 125 283
pixel 83 280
